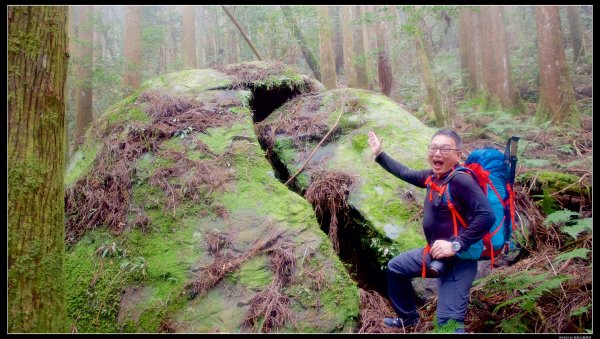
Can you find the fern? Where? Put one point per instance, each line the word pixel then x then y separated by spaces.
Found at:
pixel 581 225
pixel 580 311
pixel 514 324
pixel 576 253
pixel 527 300
pixel 559 217
pixel 534 162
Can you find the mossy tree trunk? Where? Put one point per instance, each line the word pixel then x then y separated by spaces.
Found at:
pixel 306 52
pixel 327 56
pixel 349 71
pixel 384 70
pixel 497 77
pixel 84 64
pixel 188 43
pixel 576 32
pixel 133 49
pixel 359 49
pixel 337 38
pixel 37 71
pixel 557 98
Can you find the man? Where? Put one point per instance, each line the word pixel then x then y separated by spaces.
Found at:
pixel 455 275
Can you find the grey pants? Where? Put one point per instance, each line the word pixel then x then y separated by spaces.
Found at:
pixel 453 286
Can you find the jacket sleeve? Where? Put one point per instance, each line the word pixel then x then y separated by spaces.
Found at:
pixel 479 215
pixel 415 177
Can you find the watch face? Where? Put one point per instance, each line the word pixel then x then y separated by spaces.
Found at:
pixel 455 246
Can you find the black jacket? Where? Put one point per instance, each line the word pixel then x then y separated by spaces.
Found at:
pixel 468 199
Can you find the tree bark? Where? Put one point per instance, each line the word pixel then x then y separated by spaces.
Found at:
pixel 243 33
pixel 36 78
pixel 359 50
pixel 497 74
pixel 349 71
pixel 464 46
pixel 308 56
pixel 133 49
pixel 384 70
pixel 188 42
pixel 557 98
pixel 576 33
pixel 337 38
pixel 84 64
pixel 326 49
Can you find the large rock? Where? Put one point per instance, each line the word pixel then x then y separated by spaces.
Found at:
pixel 385 210
pixel 176 222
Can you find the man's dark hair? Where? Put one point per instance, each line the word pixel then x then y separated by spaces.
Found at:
pixel 450 133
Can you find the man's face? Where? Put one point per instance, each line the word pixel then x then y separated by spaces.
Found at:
pixel 442 163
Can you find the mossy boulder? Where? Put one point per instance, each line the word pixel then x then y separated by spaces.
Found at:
pixel 388 207
pixel 171 183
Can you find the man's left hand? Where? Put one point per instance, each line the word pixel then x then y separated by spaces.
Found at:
pixel 441 249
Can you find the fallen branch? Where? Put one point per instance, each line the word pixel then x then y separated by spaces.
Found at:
pixel 317 147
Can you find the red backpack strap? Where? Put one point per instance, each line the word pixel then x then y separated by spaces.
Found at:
pixel 423 269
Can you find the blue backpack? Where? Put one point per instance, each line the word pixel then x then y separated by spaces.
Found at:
pixel 494 172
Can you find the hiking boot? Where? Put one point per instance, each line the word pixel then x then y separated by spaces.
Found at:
pixel 399 322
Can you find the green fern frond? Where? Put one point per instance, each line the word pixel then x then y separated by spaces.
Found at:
pixel 580 311
pixel 576 253
pixel 527 300
pixel 581 225
pixel 559 217
pixel 514 324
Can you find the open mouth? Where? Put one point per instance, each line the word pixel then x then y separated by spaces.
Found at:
pixel 437 164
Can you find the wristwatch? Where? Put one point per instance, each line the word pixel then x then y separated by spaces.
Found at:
pixel 455 245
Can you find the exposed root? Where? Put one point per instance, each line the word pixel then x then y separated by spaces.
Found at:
pixel 269 309
pixel 328 192
pixel 226 263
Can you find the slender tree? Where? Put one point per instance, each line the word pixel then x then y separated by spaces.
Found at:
pixel 359 48
pixel 384 70
pixel 557 98
pixel 349 71
pixel 328 73
pixel 188 43
pixel 576 32
pixel 36 78
pixel 84 64
pixel 306 52
pixel 133 49
pixel 497 73
pixel 415 27
pixel 337 38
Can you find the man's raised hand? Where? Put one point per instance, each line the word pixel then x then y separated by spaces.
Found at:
pixel 374 143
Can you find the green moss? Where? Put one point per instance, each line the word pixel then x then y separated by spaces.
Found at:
pixel 127 110
pixel 81 162
pixel 254 273
pixel 173 144
pixel 553 181
pixel 218 139
pixel 360 142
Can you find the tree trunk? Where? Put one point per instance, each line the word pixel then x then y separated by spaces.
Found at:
pixel 133 49
pixel 337 38
pixel 359 50
pixel 36 78
pixel 384 70
pixel 434 97
pixel 84 65
pixel 576 33
pixel 328 73
pixel 349 72
pixel 464 46
pixel 308 56
pixel 243 33
pixel 557 98
pixel 370 45
pixel 497 74
pixel 188 42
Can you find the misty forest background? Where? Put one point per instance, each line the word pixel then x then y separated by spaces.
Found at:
pixel 488 71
